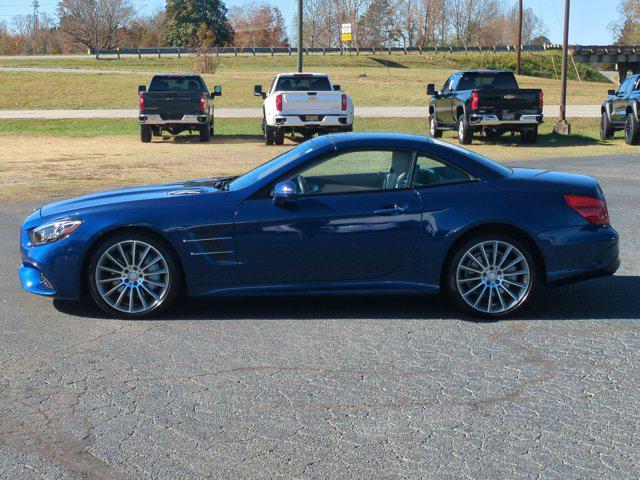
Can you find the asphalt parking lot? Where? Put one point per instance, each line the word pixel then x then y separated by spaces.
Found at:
pixel 385 387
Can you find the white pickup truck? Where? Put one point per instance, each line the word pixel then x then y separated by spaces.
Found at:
pixel 303 103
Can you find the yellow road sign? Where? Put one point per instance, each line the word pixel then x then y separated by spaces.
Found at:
pixel 345 37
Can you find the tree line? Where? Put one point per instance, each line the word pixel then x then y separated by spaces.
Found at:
pixel 105 24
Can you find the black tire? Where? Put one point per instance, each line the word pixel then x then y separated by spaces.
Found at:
pixel 145 133
pixel 278 136
pixel 465 133
pixel 173 279
pixel 452 283
pixel 269 135
pixel 529 135
pixel 211 130
pixel 606 127
pixel 433 127
pixel 205 133
pixel 631 130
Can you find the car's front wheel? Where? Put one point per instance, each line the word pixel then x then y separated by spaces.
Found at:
pixel 491 276
pixel 133 275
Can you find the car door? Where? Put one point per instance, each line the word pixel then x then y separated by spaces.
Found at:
pixel 444 103
pixel 619 102
pixel 355 219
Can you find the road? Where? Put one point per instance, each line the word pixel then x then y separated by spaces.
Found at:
pixel 393 387
pixel 573 111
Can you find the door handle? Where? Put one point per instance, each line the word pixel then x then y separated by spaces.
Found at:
pixel 394 210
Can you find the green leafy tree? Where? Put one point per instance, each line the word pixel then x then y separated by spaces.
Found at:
pixel 183 18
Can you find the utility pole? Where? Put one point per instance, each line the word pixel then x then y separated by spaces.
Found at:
pixel 519 36
pixel 300 36
pixel 563 127
pixel 36 5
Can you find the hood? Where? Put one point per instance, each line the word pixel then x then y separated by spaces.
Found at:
pixel 529 180
pixel 126 195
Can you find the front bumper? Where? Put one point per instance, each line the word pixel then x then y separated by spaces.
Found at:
pixel 494 121
pixel 186 120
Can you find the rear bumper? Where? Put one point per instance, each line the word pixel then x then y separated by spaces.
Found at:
pixel 186 119
pixel 493 121
pixel 324 121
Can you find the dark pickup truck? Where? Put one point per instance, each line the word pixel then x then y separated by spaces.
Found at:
pixel 621 111
pixel 485 101
pixel 176 103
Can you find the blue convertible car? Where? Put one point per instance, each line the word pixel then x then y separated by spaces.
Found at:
pixel 346 213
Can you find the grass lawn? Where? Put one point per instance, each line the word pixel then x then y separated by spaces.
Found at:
pixel 370 80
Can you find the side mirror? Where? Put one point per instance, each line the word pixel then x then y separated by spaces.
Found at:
pixel 257 91
pixel 337 88
pixel 611 92
pixel 217 91
pixel 142 88
pixel 431 90
pixel 284 192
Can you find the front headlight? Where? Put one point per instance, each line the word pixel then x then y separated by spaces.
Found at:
pixel 52 232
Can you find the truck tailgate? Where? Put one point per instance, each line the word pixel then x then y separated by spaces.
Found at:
pixel 509 101
pixel 172 105
pixel 311 102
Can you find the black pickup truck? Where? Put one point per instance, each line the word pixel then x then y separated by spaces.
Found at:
pixel 176 103
pixel 621 111
pixel 487 101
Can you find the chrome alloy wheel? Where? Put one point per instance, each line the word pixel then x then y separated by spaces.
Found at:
pixel 460 130
pixel 432 126
pixel 132 276
pixel 493 277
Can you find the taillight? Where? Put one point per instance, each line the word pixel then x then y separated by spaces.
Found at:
pixel 279 103
pixel 541 100
pixel 475 101
pixel 591 208
pixel 141 101
pixel 203 102
pixel 344 102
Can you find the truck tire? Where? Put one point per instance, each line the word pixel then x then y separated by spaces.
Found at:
pixel 211 130
pixel 269 134
pixel 205 133
pixel 465 133
pixel 606 127
pixel 631 130
pixel 145 133
pixel 433 127
pixel 529 135
pixel 278 136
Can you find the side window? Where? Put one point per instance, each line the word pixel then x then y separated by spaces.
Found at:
pixel 625 86
pixel 454 82
pixel 430 172
pixel 447 85
pixel 356 171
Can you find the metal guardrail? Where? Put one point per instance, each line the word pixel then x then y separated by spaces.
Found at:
pixel 317 50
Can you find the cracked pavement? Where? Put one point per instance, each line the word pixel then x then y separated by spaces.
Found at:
pixel 382 387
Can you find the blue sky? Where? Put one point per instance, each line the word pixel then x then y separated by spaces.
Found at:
pixel 589 18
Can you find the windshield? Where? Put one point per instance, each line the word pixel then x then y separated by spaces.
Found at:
pixel 488 81
pixel 303 84
pixel 177 83
pixel 271 166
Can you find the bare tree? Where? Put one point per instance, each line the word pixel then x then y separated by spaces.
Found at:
pixel 94 23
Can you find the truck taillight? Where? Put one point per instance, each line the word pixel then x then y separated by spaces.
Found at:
pixel 279 103
pixel 475 101
pixel 344 102
pixel 141 101
pixel 591 208
pixel 203 102
pixel 541 100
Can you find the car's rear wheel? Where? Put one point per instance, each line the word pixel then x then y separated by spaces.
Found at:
pixel 631 130
pixel 145 133
pixel 205 133
pixel 606 127
pixel 529 135
pixel 133 275
pixel 465 133
pixel 278 137
pixel 433 127
pixel 269 134
pixel 491 276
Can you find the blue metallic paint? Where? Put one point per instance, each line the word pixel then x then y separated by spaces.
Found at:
pixel 239 242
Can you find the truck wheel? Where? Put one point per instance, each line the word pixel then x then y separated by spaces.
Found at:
pixel 145 133
pixel 465 134
pixel 205 133
pixel 606 127
pixel 631 130
pixel 279 136
pixel 529 135
pixel 211 130
pixel 433 127
pixel 269 134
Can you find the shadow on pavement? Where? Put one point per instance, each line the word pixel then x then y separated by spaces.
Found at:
pixel 606 298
